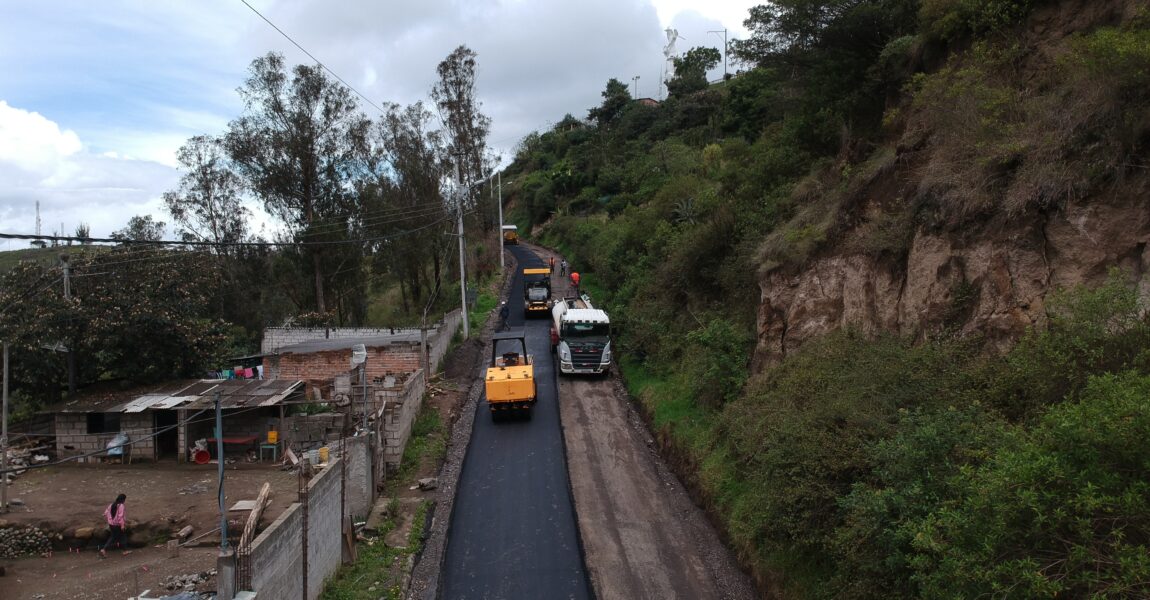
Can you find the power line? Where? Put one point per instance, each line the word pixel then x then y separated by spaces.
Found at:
pixel 20 236
pixel 309 54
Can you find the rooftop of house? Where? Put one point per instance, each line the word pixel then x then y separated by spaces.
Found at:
pixel 180 394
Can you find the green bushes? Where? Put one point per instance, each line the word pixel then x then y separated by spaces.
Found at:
pixel 863 468
pixel 950 19
pixel 1062 510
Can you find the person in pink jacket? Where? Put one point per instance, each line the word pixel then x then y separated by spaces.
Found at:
pixel 114 515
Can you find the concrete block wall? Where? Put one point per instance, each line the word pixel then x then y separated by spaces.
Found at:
pixel 325 531
pixel 276 558
pixel 303 432
pixel 276 554
pixel 278 337
pixel 73 439
pixel 360 486
pixel 402 406
pixel 437 344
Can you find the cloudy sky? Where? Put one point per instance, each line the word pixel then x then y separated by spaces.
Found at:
pixel 96 97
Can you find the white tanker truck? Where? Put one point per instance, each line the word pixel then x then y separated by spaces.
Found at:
pixel 581 336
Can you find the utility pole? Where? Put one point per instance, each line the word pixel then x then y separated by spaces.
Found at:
pixel 635 84
pixel 724 32
pixel 462 256
pixel 225 562
pixel 4 438
pixel 500 203
pixel 71 354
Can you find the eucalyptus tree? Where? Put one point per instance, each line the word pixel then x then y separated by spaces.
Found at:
pixel 208 203
pixel 408 211
pixel 302 146
pixel 465 126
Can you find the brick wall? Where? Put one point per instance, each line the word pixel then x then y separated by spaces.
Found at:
pixel 73 439
pixel 397 357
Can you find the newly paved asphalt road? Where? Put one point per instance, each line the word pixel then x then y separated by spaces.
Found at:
pixel 513 531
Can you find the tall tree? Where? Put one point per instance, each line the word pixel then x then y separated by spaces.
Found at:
pixel 301 146
pixel 466 126
pixel 409 203
pixel 141 228
pixel 691 71
pixel 208 203
pixel 615 98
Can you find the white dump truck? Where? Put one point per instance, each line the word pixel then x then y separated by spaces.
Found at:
pixel 581 336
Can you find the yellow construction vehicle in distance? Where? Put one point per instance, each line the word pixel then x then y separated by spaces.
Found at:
pixel 536 291
pixel 510 234
pixel 510 382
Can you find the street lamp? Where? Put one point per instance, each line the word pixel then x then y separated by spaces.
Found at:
pixel 635 83
pixel 501 259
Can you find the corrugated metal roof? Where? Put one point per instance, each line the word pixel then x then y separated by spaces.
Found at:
pixel 187 394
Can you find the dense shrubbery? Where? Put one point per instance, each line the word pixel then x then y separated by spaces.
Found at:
pixel 869 468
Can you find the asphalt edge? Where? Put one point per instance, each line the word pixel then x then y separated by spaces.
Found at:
pixel 424 583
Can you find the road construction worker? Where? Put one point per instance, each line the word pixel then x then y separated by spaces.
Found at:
pixel 503 313
pixel 575 281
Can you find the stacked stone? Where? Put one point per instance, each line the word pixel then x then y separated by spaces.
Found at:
pixel 16 542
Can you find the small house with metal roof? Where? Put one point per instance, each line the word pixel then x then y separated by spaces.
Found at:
pixel 164 420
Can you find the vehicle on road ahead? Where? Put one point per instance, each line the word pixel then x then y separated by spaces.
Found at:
pixel 510 381
pixel 510 234
pixel 581 335
pixel 536 291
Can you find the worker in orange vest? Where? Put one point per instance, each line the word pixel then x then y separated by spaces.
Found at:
pixel 575 281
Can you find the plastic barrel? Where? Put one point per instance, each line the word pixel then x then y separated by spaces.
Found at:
pixel 202 457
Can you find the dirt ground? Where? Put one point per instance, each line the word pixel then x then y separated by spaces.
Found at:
pixel 162 498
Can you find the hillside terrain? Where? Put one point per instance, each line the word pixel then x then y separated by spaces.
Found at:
pixel 882 293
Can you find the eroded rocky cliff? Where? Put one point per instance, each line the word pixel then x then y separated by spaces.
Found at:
pixel 991 272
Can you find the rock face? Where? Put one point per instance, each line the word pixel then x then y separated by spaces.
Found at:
pixel 991 278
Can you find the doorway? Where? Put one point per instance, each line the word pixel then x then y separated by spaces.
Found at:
pixel 168 441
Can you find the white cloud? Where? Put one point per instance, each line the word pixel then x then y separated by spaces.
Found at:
pixel 41 162
pixel 32 142
pixel 107 92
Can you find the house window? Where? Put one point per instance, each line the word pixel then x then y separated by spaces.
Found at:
pixel 103 422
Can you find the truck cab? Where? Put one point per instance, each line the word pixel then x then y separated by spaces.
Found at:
pixel 510 234
pixel 581 335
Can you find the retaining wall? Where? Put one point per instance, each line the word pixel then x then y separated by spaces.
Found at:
pixel 277 553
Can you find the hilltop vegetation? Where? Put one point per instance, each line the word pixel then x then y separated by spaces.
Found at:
pixel 865 464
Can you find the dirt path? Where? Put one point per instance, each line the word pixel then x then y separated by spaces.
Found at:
pixel 85 576
pixel 642 535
